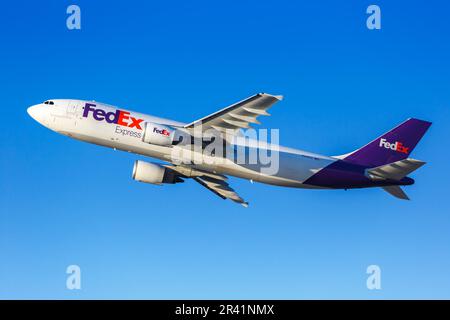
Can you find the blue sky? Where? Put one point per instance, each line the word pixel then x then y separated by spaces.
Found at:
pixel 65 202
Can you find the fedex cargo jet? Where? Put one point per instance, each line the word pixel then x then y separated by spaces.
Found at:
pixel 186 148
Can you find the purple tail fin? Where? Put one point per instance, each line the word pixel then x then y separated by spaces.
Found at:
pixel 392 146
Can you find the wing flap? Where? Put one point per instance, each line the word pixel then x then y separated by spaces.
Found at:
pixel 214 182
pixel 237 123
pixel 239 115
pixel 256 112
pixel 220 188
pixel 244 118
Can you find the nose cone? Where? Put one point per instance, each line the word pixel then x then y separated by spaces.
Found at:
pixel 32 111
pixel 37 112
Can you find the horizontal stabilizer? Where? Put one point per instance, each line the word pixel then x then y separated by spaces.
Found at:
pixel 395 170
pixel 396 191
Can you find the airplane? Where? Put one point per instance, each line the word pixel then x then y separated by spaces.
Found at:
pixel 383 162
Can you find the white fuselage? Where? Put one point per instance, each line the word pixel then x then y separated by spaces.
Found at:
pixel 68 118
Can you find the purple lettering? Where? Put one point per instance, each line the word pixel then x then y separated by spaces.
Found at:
pixel 99 114
pixel 117 117
pixel 111 117
pixel 87 108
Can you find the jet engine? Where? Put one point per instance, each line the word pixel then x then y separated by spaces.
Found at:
pixel 153 173
pixel 158 134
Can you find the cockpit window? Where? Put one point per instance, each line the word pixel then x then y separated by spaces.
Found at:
pixel 49 102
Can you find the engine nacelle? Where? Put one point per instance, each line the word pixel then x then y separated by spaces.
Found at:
pixel 158 134
pixel 154 173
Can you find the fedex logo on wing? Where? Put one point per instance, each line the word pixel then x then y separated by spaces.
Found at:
pixel 164 132
pixel 396 146
pixel 119 117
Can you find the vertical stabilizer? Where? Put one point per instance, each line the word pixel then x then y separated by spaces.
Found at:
pixel 392 146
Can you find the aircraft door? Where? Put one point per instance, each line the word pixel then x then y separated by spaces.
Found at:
pixel 74 110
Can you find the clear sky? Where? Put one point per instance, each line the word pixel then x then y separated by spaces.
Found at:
pixel 65 202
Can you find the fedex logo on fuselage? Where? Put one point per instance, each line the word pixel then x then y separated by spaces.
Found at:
pixel 119 117
pixel 164 132
pixel 396 146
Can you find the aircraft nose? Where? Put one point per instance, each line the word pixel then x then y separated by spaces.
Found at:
pixel 32 111
pixel 37 113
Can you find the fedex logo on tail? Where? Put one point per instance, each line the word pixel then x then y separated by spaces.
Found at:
pixel 396 146
pixel 119 117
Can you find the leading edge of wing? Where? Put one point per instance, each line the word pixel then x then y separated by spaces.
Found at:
pixel 250 105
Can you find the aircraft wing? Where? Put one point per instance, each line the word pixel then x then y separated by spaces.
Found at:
pixel 214 182
pixel 220 188
pixel 239 115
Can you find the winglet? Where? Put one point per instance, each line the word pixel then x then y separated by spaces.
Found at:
pixel 278 97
